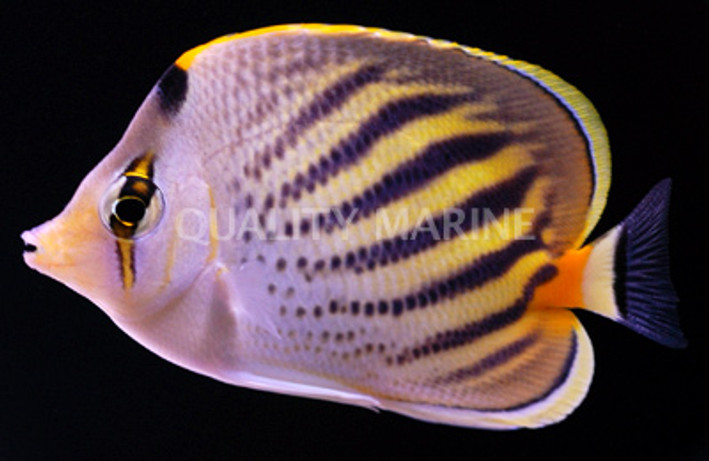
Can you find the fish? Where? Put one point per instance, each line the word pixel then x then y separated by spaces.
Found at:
pixel 367 217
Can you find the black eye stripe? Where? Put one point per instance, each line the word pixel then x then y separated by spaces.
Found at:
pixel 141 188
pixel 131 205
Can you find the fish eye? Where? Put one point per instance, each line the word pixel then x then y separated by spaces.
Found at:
pixel 131 207
pixel 129 210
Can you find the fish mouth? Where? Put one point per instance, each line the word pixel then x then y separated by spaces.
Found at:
pixel 29 242
pixel 30 247
pixel 35 254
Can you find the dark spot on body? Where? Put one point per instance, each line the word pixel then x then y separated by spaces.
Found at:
pixel 304 226
pixel 383 307
pixel 269 202
pixel 335 262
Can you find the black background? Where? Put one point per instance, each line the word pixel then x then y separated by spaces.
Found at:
pixel 72 386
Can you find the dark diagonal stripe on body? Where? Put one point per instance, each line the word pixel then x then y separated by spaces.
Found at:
pixel 387 120
pixel 493 201
pixel 330 99
pixel 560 379
pixel 322 105
pixel 489 362
pixel 415 174
pixel 469 332
pixel 486 268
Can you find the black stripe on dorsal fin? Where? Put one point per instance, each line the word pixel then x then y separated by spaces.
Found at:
pixel 172 89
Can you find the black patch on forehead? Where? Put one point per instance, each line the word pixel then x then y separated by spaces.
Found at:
pixel 172 89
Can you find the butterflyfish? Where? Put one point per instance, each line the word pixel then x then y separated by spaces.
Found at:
pixel 367 217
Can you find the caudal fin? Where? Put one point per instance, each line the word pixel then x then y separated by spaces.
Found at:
pixel 627 277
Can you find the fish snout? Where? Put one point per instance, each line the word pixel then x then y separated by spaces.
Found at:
pixel 44 248
pixel 61 252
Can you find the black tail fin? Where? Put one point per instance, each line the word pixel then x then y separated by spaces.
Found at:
pixel 644 294
pixel 641 294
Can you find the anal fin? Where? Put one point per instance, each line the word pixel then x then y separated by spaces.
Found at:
pixel 554 379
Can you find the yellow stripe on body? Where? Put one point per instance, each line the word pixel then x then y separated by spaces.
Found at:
pixel 393 150
pixel 440 194
pixel 453 253
pixel 472 306
pixel 173 243
pixel 329 132
pixel 171 253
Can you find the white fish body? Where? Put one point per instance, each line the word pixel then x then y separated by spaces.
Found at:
pixel 245 227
